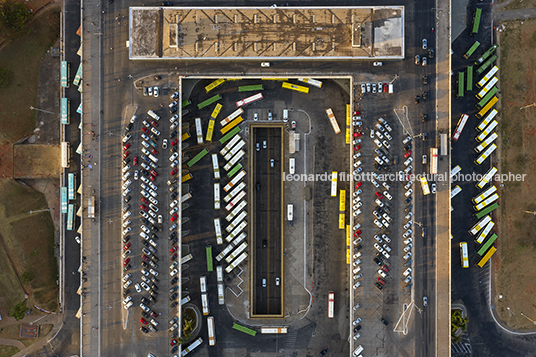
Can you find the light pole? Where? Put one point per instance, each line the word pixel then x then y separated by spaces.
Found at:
pixel 529 212
pixel 41 110
pixel 41 210
pixel 528 318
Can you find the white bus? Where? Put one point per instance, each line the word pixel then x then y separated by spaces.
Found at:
pixel 331 304
pixel 311 81
pixel 480 224
pixel 216 196
pixel 236 221
pixel 235 200
pixel 221 294
pixel 291 165
pixel 236 252
pixel 234 160
pixel 490 139
pixel 219 273
pixel 153 115
pixel 65 154
pixel 487 88
pixel 185 300
pixel 186 258
pixel 215 166
pixel 487 177
pixel 204 304
pixel 217 229
pixel 203 283
pixel 234 191
pixel 464 254
pixel 239 176
pixel 486 202
pixel 455 191
pixel 230 144
pixel 333 121
pixel 199 130
pixel 433 161
pixel 485 232
pixel 487 77
pixel 211 334
pixel 487 120
pixel 239 239
pixel 487 130
pixel 236 262
pixel 236 231
pixel 191 347
pixel 186 197
pixel 454 171
pixel 486 154
pixel 274 330
pixel 334 184
pixel 224 252
pixel 483 195
pixel 236 210
pixel 231 117
pixel 234 150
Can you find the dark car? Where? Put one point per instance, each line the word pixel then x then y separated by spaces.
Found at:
pixel 174 280
pixel 167 3
pixel 127 267
pixel 126 238
pixel 431 52
pixel 174 349
pixel 357 328
pixel 408 208
pixel 127 199
pixel 424 95
pixel 172 110
pixel 384 321
pixel 144 329
pixel 423 232
pixel 424 136
pixel 417 99
pixel 378 285
pixel 323 352
pixel 258 186
pixel 174 195
pixel 409 199
pixel 173 297
pixel 424 79
pixel 264 243
pixel 424 118
pixel 172 235
pixel 358 247
pixel 173 304
pixel 173 289
pixel 377 261
pixel 173 134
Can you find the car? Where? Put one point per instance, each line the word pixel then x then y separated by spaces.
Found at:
pixel 145 130
pixel 378 143
pixel 373 87
pixel 380 280
pixel 424 44
pixel 430 52
pixel 425 301
pixel 424 61
pixel 363 88
pixel 377 223
pixel 174 218
pixel 126 261
pixel 368 87
pixel 380 196
pixel 378 286
pixel 382 273
pixel 407 154
pixel 408 192
pixel 424 79
pixel 156 92
pixel 173 272
pixel 417 99
pixel 125 154
pixel 424 95
pixel 434 188
pixel 417 59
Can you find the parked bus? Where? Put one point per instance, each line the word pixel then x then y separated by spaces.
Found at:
pixel 471 50
pixel 235 200
pixel 239 155
pixel 274 330
pixel 486 210
pixel 216 166
pixel 216 83
pixel 249 100
pixel 486 99
pixel 486 178
pixel 486 202
pixel 334 184
pixel 235 180
pixel 488 106
pixel 65 74
pixel 484 123
pixel 333 121
pixel 210 328
pixel 229 135
pixel 185 300
pixel 485 232
pixel 231 125
pixel 433 161
pixel 331 304
pixel 229 155
pixel 231 117
pixel 485 194
pixel 219 274
pixel 78 76
pixel 236 252
pixel 487 131
pixel 209 101
pixel 216 111
pixel 488 244
pixel 311 81
pixel 488 76
pixel 295 87
pixel 486 54
pixel 479 225
pixel 234 170
pixel 64 201
pixel 490 139
pixel 239 218
pixel 217 230
pixel 234 192
pixel 185 136
pixel 486 65
pixel 226 251
pixel 236 262
pixel 251 88
pixel 191 347
pixel 186 258
pixel 71 178
pixel 469 87
pixel 455 191
pixel 185 103
pixel 486 154
pixel 65 154
pixel 70 217
pixel 203 284
pixel 464 254
pixel 199 130
pixel 209 258
pixel 210 130
pixel 217 195
pixel 487 88
pixel 476 22
pixel 197 157
pixel 186 178
pixel 230 145
pixel 461 85
pixel 488 255
pixel 455 170
pixel 65 111
pixel 244 329
pixel 459 127
pixel 424 185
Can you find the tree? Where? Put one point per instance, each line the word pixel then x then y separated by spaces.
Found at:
pixel 13 15
pixel 18 311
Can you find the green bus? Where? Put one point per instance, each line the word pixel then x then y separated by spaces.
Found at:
pixel 230 134
pixel 244 329
pixel 486 210
pixel 471 50
pixel 197 157
pixel 476 21
pixel 486 64
pixel 209 101
pixel 469 87
pixel 461 85
pixel 487 98
pixel 209 258
pixel 252 88
pixel 486 54
pixel 488 244
pixel 234 170
pixel 185 103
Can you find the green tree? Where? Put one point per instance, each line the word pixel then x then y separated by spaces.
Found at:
pixel 18 311
pixel 13 15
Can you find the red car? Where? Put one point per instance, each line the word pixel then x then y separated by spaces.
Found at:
pixel 356 112
pixel 380 196
pixel 126 146
pixel 174 217
pixel 174 142
pixel 381 281
pixel 127 246
pixel 154 151
pixel 385 268
pixel 126 261
pixel 358 147
pixel 173 249
pixel 154 173
pixel 144 208
pixel 174 256
pixel 145 130
pixel 173 342
pixel 125 154
pixel 153 123
pixel 154 314
pixel 385 87
pixel 406 155
pixel 144 257
pixel 143 321
pixel 358 232
pixel 135 161
pixel 357 135
pixel 173 172
pixel 144 200
pixel 152 178
pixel 358 184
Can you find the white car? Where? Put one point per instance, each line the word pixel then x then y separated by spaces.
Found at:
pixel 126 277
pixel 407 256
pixel 408 225
pixel 145 137
pixel 127 214
pixel 265 64
pixel 174 125
pixel 408 185
pixel 386 144
pixel 145 229
pixel 425 301
pixel 174 156
pixel 173 272
pixel 407 272
pixel 408 161
pixel 379 161
pixel 408 247
pixel 127 137
pixel 377 223
pixel 363 88
pixel 386 254
pixel 153 200
pixel 407 233
pixel 385 223
pixel 382 273
pixel 164 144
pixel 386 217
pixel 424 160
pixel 145 272
pixel 387 127
pixel 154 131
pixel 378 143
pixel 406 140
pixel 386 185
pixel 409 215
pixel 379 202
pixel 357 163
pixel 408 279
pixel 388 195
pixel 156 92
pixel 434 188
pixel 359 204
pixel 408 192
pixel 386 238
pixel 154 272
pixel 408 241
pixel 378 248
pixel 388 136
pixel 386 248
pixel 368 87
pixel 151 213
pixel 77 239
pixel 136 175
pixel 145 179
pixel 378 239
pixel 127 284
pixel 128 305
pixel 372 133
pixel 374 182
pixel 377 64
pixel 357 213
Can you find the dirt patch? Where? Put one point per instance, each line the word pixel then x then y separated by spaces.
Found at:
pixel 36 161
pixel 517 244
pixel 520 4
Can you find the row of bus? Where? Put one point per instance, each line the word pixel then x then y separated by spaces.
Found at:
pixel 465 78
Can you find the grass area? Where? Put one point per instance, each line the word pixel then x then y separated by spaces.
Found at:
pixel 516 244
pixel 521 4
pixel 22 57
pixel 12 332
pixel 8 351
pixel 30 243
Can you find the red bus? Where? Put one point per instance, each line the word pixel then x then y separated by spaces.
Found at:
pixel 459 127
pixel 331 304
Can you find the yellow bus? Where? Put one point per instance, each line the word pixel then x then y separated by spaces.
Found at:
pixel 464 254
pixel 231 125
pixel 342 200
pixel 486 257
pixel 295 87
pixel 210 130
pixel 488 106
pixel 216 111
pixel 214 84
pixel 186 178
